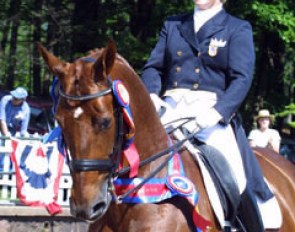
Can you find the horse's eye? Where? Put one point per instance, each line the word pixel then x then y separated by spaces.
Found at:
pixel 101 123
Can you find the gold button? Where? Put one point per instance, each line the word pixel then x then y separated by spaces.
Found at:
pixel 179 53
pixel 178 69
pixel 197 70
pixel 196 85
pixel 175 83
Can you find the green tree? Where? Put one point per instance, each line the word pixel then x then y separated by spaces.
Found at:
pixel 70 28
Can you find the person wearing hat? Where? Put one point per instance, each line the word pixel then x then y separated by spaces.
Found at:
pixel 14 113
pixel 202 68
pixel 264 136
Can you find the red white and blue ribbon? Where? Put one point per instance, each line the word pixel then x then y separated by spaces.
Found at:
pixel 122 96
pixel 160 189
pixel 129 150
pixel 38 169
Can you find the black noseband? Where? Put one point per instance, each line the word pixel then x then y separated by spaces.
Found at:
pixel 86 165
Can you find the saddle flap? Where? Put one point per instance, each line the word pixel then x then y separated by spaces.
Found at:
pixel 223 178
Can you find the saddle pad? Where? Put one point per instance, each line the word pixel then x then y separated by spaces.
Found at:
pixel 209 184
pixel 270 211
pixel 211 189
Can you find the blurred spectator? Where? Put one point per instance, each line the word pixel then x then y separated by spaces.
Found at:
pixel 14 113
pixel 263 136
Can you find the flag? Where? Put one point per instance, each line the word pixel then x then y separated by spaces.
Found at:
pixel 38 168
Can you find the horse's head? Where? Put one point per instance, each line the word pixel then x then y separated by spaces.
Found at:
pixel 86 114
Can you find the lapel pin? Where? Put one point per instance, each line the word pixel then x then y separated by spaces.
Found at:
pixel 214 45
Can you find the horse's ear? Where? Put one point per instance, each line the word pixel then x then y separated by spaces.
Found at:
pixel 105 62
pixel 55 65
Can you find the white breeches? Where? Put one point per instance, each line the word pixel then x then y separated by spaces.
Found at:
pixel 221 137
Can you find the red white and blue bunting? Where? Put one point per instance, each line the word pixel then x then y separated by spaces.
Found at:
pixel 38 169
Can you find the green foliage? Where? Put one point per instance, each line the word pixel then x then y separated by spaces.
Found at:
pixel 273 25
pixel 288 112
pixel 276 17
pixel 135 26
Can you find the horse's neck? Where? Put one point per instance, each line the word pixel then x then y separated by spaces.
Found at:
pixel 150 136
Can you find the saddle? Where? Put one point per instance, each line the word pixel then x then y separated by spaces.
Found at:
pixel 222 177
pixel 238 210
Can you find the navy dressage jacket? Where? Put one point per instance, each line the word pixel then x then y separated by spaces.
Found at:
pixel 219 58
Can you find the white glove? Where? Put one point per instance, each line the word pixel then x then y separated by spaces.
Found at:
pixel 207 118
pixel 158 102
pixel 161 106
pixel 164 110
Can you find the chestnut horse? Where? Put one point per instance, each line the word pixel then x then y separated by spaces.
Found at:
pixel 87 114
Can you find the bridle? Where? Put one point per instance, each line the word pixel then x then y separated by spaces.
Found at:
pixel 103 165
pixel 111 165
pixel 88 96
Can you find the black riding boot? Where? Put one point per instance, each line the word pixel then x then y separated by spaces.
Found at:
pixel 249 214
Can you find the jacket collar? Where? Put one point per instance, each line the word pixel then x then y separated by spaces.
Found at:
pixel 212 26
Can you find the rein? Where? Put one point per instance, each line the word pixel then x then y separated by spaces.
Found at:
pixel 175 147
pixel 172 150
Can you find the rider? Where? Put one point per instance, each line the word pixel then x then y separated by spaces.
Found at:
pixel 202 66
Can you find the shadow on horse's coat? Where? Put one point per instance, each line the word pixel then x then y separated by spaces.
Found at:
pixel 89 130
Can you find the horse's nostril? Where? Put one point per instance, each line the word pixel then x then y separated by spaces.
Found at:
pixel 100 206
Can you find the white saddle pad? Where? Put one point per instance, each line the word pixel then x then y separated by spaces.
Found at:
pixel 270 211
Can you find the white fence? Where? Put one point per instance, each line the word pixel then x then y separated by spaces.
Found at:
pixel 8 191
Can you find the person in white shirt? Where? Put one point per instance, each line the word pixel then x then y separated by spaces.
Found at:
pixel 264 136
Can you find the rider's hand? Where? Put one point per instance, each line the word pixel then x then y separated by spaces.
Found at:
pixel 158 102
pixel 164 110
pixel 207 118
pixel 161 106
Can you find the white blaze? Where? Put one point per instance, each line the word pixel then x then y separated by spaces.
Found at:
pixel 78 112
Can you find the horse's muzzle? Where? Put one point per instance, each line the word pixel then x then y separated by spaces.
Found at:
pixel 94 210
pixel 92 213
